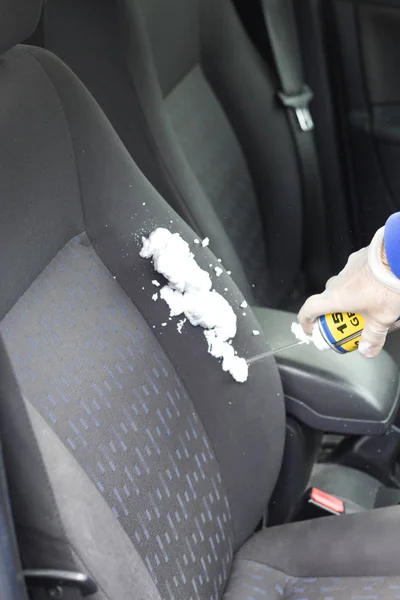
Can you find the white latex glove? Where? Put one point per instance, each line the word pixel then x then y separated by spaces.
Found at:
pixel 365 286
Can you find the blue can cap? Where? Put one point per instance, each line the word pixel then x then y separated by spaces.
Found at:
pixel 391 242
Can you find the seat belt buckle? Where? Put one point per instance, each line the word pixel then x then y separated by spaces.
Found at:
pixel 55 582
pixel 327 502
pixel 299 103
pixel 316 503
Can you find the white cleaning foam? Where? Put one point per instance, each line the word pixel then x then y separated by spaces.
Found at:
pixel 299 333
pixel 315 338
pixel 180 324
pixel 172 258
pixel 189 293
pixel 235 365
pixel 174 299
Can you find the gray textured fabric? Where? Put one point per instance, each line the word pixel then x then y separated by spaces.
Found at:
pixel 18 19
pixel 99 544
pixel 88 362
pixel 217 161
pixel 360 545
pixel 38 176
pixel 255 581
pixel 335 588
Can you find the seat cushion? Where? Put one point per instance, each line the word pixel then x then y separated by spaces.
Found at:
pixel 251 580
pixel 335 558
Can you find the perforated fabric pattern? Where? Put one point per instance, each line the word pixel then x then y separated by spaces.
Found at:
pixel 213 152
pixel 88 362
pixel 251 580
pixel 352 588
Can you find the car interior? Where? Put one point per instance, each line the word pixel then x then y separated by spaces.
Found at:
pixel 131 466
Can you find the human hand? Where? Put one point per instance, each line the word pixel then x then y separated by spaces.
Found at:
pixel 365 286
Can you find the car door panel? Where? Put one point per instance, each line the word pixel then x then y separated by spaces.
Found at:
pixel 367 44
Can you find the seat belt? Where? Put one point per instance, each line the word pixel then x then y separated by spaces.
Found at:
pixel 296 96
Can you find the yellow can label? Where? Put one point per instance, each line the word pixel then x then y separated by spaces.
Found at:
pixel 342 330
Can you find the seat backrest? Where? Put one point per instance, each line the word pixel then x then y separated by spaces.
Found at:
pixel 159 464
pixel 197 110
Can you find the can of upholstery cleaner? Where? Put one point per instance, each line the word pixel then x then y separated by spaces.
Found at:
pixel 341 331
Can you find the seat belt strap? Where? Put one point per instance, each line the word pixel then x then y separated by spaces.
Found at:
pixel 296 96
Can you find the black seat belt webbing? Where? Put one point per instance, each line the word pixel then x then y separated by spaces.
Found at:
pixel 296 96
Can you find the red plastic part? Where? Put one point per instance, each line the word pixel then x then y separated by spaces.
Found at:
pixel 327 500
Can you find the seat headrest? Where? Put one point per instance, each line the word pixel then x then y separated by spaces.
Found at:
pixel 18 20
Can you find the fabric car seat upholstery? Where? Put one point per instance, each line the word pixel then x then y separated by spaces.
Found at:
pixel 130 455
pixel 195 106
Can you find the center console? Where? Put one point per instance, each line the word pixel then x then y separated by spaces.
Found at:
pixel 331 393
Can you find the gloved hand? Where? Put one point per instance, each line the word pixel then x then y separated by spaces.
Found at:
pixel 365 286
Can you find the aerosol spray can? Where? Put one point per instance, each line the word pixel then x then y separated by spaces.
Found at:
pixel 341 331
